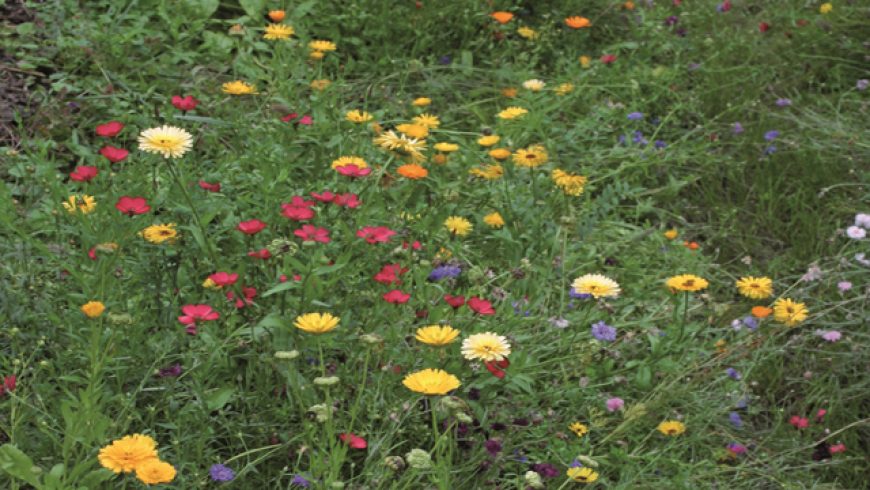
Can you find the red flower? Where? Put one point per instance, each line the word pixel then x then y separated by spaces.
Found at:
pixel 251 227
pixel 310 233
pixel 390 273
pixel 397 297
pixel 290 117
pixel 263 253
pixel 353 171
pixel 837 448
pixel 92 253
pixel 9 383
pixel 249 294
pixel 454 301
pixel 132 205
pixel 325 196
pixel 349 200
pixel 725 6
pixel 763 27
pixel 799 422
pixel 111 128
pixel 375 234
pixel 820 414
pixel 222 279
pixel 113 154
pixel 354 441
pixel 608 59
pixel 194 313
pixel 481 306
pixel 296 213
pixel 306 120
pixel 83 173
pixel 496 367
pixel 415 245
pixel 216 187
pixel 185 104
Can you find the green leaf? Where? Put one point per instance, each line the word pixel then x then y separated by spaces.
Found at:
pixel 284 286
pixel 201 9
pixel 644 377
pixel 254 8
pixel 19 465
pixel 219 398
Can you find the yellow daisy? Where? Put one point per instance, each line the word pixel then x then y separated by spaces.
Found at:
pixel 276 32
pixel 686 282
pixel 531 157
pixel 416 131
pixel 316 323
pixel 534 85
pixel 168 141
pixel 358 116
pixel 489 172
pixel 431 382
pixel 458 225
pixel 406 147
pixel 671 428
pixel 160 233
pixel 446 147
pixel 349 160
pixel 570 184
pixel 84 204
pixel 494 220
pixel 500 153
pixel 427 120
pixel 239 87
pixel 755 287
pixel 789 312
pixel 582 474
pixel 486 346
pixel 155 472
pixel 320 84
pixel 512 113
pixel 421 101
pixel 322 46
pixel 488 140
pixel 128 452
pixel 93 309
pixel 527 33
pixel 437 335
pixel 597 285
pixel 564 89
pixel 579 429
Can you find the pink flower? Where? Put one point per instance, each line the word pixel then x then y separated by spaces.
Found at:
pixel 353 171
pixel 820 414
pixel 185 104
pixel 325 196
pixel 297 213
pixel 290 117
pixel 375 234
pixel 251 227
pixel 310 233
pixel 263 253
pixel 614 404
pixel 837 448
pixel 799 422
pixel 829 335
pixel 110 129
pixel 480 306
pixel 454 301
pixel 249 293
pixel 354 441
pixel 415 245
pixel 306 120
pixel 9 384
pixel 216 187
pixel 348 200
pixel 83 173
pixel 194 313
pixel 608 59
pixel 397 297
pixel 113 154
pixel 222 279
pixel 390 273
pixel 132 205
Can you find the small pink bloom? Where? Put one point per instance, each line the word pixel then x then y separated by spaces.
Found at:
pixel 249 293
pixel 306 120
pixel 348 200
pixel 397 297
pixel 216 187
pixel 799 422
pixel 375 234
pixel 113 154
pixel 614 404
pixel 608 59
pixel 290 117
pixel 132 205
pixel 194 313
pixel 110 129
pixel 353 171
pixel 224 278
pixel 415 245
pixel 325 196
pixel 263 253
pixel 820 414
pixel 251 227
pixel 185 104
pixel 310 233
pixel 837 448
pixel 454 301
pixel 354 441
pixel 83 173
pixel 480 306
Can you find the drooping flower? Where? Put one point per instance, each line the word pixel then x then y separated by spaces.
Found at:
pixel 686 282
pixel 238 87
pixel 755 287
pixel 489 172
pixel 251 227
pixel 320 84
pixel 109 129
pixel 431 382
pixel 458 225
pixel 597 285
pixel 128 452
pixel 93 309
pixel 316 323
pixel 155 472
pixel 671 428
pixel 132 205
pixel 219 472
pixel 158 234
pixel 789 312
pixel 577 22
pixel 531 157
pixel 486 346
pixel 437 335
pixel 168 141
pixel 276 32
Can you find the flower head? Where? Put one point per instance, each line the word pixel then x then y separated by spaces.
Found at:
pixel 83 173
pixel 428 121
pixel 825 8
pixel 431 382
pixel 219 472
pixel 527 33
pixel 488 140
pixel 603 331
pixel 110 129
pixel 789 312
pixel 671 428
pixel 494 220
pixel 168 141
pixel 531 157
pixel 421 101
pixel 238 87
pixel 856 233
pixel 597 285
pixel 458 225
pixel 357 116
pixel 412 171
pixel 577 22
pixel 128 452
pixel 755 287
pixel 571 184
pixel 437 335
pixel 158 234
pixel 486 346
pixel 686 282
pixel 83 204
pixel 155 472
pixel 93 309
pixel 502 17
pixel 579 429
pixel 614 404
pixel 534 85
pixel 276 32
pixel 321 45
pixel 316 323
pixel 512 112
pixel 132 205
pixel 582 475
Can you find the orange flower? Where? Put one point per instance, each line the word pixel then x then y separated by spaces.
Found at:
pixel 761 311
pixel 691 245
pixel 276 15
pixel 628 5
pixel 412 171
pixel 577 22
pixel 502 17
pixel 509 92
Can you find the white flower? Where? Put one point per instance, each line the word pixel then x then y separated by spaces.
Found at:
pixel 534 85
pixel 856 232
pixel 862 220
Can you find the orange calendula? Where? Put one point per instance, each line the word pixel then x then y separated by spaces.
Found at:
pixel 502 17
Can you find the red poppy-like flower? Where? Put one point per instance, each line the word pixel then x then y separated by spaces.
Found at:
pixel 113 154
pixel 799 422
pixel 725 6
pixel 132 205
pixel 349 200
pixel 306 120
pixel 263 253
pixel 222 279
pixel 325 196
pixel 454 301
pixel 185 104
pixel 416 245
pixel 389 274
pixel 821 414
pixel 9 384
pixel 397 297
pixel 83 173
pixel 497 367
pixel 296 213
pixel 763 27
pixel 480 306
pixel 353 171
pixel 216 187
pixel 837 448
pixel 195 313
pixel 353 440
pixel 110 129
pixel 311 233
pixel 248 293
pixel 290 117
pixel 251 227
pixel 375 234
pixel 92 253
pixel 608 59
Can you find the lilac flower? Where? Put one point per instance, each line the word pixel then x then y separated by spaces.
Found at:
pixel 575 464
pixel 741 403
pixel 445 60
pixel 621 139
pixel 737 128
pixel 172 371
pixel 862 84
pixel 614 404
pixel 639 139
pixel 736 324
pixel 444 271
pixel 733 374
pixel 603 331
pixel 219 472
pixel 814 273
pixel 660 145
pixel 493 447
pixel 862 220
pixel 735 419
pixel 635 116
pixel 829 335
pixel 519 457
pixel 574 294
pixel 546 470
pixel 856 232
pixel 771 135
pixel 681 32
pixel 300 481
pixel 736 448
pixel 770 150
pixel 783 102
pixel 844 286
pixel 751 322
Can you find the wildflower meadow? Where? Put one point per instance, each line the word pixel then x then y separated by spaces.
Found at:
pixel 434 244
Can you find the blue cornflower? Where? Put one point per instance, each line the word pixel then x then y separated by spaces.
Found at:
pixel 751 322
pixel 635 116
pixel 219 472
pixel 621 139
pixel 770 150
pixel 771 135
pixel 733 373
pixel 444 271
pixel 575 464
pixel 603 331
pixel 659 144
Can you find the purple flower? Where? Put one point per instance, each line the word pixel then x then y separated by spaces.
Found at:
pixel 733 373
pixel 300 481
pixel 862 84
pixel 614 404
pixel 575 464
pixel 638 138
pixel 862 220
pixel 660 145
pixel 635 116
pixel 783 102
pixel 856 232
pixel 219 472
pixel 172 371
pixel 603 331
pixel 814 273
pixel 751 322
pixel 546 470
pixel 741 403
pixel 559 322
pixel 445 60
pixel 770 150
pixel 829 335
pixel 672 20
pixel 771 135
pixel 519 457
pixel 735 419
pixel 736 448
pixel 574 294
pixel 844 286
pixel 621 139
pixel 493 447
pixel 737 128
pixel 444 271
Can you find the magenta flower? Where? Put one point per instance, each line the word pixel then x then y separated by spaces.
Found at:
pixel 614 404
pixel 194 313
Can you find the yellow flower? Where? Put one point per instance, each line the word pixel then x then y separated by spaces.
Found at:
pixel 489 172
pixel 585 61
pixel 169 141
pixel 755 287
pixel 84 204
pixel 527 32
pixel 349 160
pixel 671 428
pixel 512 113
pixel 458 225
pixel 406 147
pixel 494 220
pixel 437 334
pixel 826 7
pixel 93 309
pixel 427 120
pixel 446 147
pixel 570 184
pixel 320 84
pixel 582 474
pixel 531 157
pixel 316 323
pixel 128 452
pixel 486 346
pixel 320 45
pixel 671 234
pixel 417 131
pixel 239 87
pixel 155 472
pixel 316 55
pixel 209 284
pixel 579 429
pixel 564 89
pixel 421 101
pixel 431 382
pixel 488 140
pixel 597 285
pixel 160 233
pixel 358 116
pixel 509 92
pixel 686 282
pixel 789 312
pixel 278 31
pixel 534 85
pixel 500 153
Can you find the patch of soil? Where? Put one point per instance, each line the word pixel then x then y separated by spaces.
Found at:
pixel 15 96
